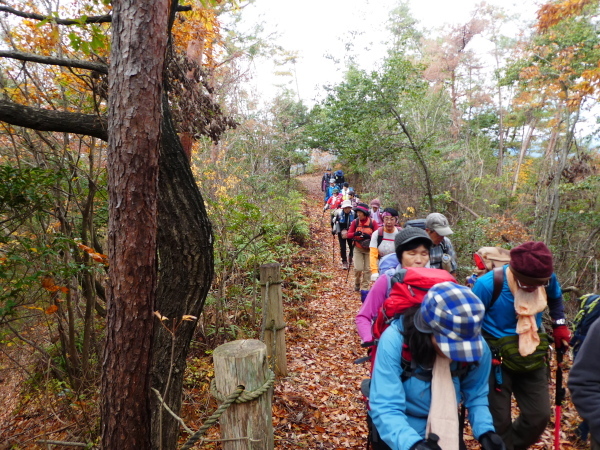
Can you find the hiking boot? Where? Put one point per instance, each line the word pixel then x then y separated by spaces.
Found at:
pixel 356 287
pixel 363 296
pixel 344 265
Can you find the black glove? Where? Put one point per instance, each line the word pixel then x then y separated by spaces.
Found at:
pixel 430 444
pixel 491 441
pixel 358 234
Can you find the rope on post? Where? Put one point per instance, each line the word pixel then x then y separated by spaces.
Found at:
pixel 274 330
pixel 213 419
pixel 237 396
pixel 245 396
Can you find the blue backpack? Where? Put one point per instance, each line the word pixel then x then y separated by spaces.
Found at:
pixel 589 311
pixel 388 262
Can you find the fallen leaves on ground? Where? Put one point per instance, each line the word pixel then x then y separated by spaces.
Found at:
pixel 319 405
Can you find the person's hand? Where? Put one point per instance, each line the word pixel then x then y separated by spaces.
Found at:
pixel 562 336
pixel 491 441
pixel 426 445
pixel 374 276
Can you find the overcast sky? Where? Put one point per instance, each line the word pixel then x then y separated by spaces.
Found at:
pixel 317 29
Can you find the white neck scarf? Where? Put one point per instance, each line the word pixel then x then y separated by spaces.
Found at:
pixel 443 412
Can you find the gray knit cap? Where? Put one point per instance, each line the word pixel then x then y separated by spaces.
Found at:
pixel 409 234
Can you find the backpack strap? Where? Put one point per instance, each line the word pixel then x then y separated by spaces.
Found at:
pixel 498 282
pixel 443 245
pixel 409 369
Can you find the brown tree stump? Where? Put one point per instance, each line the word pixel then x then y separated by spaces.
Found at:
pixel 248 425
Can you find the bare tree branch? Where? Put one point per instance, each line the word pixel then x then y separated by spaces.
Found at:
pixel 22 56
pixel 91 19
pixel 465 207
pixel 83 20
pixel 47 120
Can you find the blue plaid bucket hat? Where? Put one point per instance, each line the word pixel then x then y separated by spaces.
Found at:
pixel 453 314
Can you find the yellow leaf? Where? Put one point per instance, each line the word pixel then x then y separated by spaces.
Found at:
pixel 34 307
pixel 189 318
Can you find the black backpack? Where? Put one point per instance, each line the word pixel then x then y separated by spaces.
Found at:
pixel 589 311
pixel 339 177
pixel 417 223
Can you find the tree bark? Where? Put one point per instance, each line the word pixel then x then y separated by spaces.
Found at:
pixel 500 130
pixel 77 64
pixel 185 250
pixel 48 120
pixel 554 188
pixel 527 134
pixel 139 43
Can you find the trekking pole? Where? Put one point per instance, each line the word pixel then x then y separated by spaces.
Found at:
pixel 558 397
pixel 348 273
pixel 333 248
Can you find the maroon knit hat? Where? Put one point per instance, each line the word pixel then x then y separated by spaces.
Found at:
pixel 531 262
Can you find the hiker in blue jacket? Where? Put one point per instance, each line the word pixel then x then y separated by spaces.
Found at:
pixel 329 189
pixel 449 362
pixel 528 284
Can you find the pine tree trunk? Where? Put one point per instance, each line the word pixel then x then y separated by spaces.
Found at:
pixel 135 88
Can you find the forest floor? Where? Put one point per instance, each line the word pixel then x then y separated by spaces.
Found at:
pixel 317 406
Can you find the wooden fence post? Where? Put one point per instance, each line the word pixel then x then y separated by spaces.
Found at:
pixel 273 324
pixel 248 425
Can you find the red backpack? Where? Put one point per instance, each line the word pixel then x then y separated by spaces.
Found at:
pixel 406 288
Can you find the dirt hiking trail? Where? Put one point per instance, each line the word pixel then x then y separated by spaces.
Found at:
pixel 319 405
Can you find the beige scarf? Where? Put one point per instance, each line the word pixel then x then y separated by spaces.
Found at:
pixel 443 412
pixel 527 305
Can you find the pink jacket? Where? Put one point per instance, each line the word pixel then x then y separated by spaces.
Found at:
pixel 370 308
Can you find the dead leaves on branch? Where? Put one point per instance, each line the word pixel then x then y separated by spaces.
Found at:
pixel 551 14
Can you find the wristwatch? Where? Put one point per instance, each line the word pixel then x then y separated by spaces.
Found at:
pixel 558 322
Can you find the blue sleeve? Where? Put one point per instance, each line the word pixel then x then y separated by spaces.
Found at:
pixel 555 299
pixel 484 288
pixel 387 398
pixel 474 387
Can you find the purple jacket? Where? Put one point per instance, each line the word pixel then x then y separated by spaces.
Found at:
pixel 370 308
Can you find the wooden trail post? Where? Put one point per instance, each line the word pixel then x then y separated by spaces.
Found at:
pixel 248 425
pixel 273 324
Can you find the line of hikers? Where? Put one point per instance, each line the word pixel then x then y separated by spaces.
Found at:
pixel 439 344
